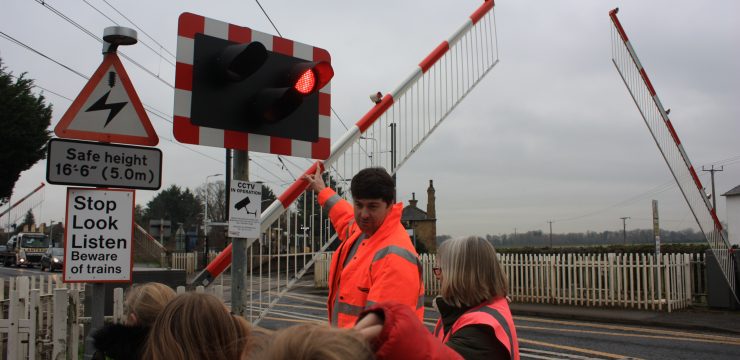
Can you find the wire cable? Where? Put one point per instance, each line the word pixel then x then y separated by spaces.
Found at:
pixel 18 42
pixel 268 18
pixel 89 33
pixel 140 41
pixel 140 29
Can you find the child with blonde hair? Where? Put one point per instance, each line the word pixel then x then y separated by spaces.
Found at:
pixel 141 307
pixel 197 326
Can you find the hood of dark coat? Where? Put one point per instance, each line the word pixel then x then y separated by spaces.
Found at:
pixel 121 342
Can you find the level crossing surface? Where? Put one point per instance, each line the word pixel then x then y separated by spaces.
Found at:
pixel 540 337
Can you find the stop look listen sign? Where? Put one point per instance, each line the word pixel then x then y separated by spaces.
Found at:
pixel 98 236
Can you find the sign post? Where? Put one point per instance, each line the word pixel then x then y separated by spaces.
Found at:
pixel 98 238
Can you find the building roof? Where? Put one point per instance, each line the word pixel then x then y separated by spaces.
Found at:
pixel 733 192
pixel 413 213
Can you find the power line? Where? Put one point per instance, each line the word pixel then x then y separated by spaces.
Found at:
pixel 87 78
pixel 44 89
pixel 268 18
pixel 150 109
pixel 140 29
pixel 18 42
pixel 141 42
pixel 89 33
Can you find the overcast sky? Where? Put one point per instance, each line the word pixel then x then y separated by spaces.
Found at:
pixel 550 134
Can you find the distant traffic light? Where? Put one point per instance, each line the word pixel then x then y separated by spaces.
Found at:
pixel 245 87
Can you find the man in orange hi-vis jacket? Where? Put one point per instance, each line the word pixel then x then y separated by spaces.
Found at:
pixel 375 261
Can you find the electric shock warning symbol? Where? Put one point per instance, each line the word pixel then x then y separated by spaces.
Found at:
pixel 108 109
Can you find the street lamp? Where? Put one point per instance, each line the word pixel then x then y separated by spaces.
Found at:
pixel 51 233
pixel 205 219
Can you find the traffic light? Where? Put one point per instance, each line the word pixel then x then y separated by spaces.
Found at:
pixel 247 88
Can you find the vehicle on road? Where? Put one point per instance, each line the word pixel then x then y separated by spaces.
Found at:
pixel 53 259
pixel 24 249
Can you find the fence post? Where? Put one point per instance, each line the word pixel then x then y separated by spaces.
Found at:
pixel 34 325
pixel 14 314
pixel 118 305
pixel 73 324
pixel 60 328
pixel 218 290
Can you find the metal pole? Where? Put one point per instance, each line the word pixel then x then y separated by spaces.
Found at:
pixel 393 155
pixel 51 233
pixel 550 233
pixel 656 233
pixel 656 229
pixel 624 228
pixel 712 171
pixel 227 186
pixel 113 37
pixel 205 217
pixel 239 261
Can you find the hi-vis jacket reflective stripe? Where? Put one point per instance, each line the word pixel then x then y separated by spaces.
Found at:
pixel 495 314
pixel 383 267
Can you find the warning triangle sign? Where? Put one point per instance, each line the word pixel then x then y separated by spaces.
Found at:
pixel 108 109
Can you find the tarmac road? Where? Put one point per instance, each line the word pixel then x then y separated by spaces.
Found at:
pixel 12 271
pixel 543 337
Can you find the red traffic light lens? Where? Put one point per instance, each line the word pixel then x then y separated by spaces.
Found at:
pixel 306 82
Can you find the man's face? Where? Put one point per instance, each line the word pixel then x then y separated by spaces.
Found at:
pixel 370 214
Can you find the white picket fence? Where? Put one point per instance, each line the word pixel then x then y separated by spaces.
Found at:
pixel 618 280
pixel 182 261
pixel 40 318
pixel 190 261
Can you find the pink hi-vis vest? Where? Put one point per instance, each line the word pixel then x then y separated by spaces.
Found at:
pixel 495 314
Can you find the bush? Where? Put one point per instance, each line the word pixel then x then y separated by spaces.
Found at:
pixel 619 249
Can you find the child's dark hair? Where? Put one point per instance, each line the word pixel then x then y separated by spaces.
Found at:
pixel 373 183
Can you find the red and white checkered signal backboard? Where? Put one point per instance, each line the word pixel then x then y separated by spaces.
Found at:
pixel 186 132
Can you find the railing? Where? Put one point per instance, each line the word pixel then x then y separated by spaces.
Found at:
pixel 146 247
pixel 639 281
pixel 656 118
pixel 182 261
pixel 39 318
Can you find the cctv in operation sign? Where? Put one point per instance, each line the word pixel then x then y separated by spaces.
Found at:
pixel 245 209
pixel 98 235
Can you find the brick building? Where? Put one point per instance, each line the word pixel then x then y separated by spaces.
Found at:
pixel 422 225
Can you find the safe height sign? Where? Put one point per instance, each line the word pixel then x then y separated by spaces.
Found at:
pixel 98 237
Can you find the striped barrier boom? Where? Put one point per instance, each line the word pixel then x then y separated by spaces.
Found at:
pixel 666 138
pixel 453 68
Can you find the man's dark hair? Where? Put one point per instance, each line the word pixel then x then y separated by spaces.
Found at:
pixel 373 183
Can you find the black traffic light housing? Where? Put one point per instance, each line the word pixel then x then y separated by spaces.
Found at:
pixel 247 88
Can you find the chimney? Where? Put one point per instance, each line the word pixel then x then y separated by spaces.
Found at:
pixel 413 200
pixel 431 210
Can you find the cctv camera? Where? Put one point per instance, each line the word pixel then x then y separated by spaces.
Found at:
pixel 376 97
